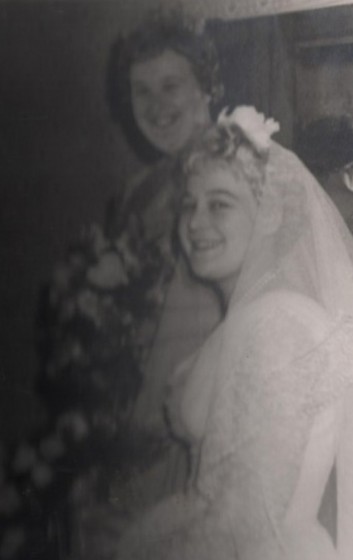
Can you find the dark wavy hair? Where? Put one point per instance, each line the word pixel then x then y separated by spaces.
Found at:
pixel 156 34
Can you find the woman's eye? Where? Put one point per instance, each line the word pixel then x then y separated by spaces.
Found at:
pixel 171 87
pixel 217 205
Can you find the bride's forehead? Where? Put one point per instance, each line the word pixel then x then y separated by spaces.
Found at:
pixel 215 177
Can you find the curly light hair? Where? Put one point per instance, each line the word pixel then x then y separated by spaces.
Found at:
pixel 224 146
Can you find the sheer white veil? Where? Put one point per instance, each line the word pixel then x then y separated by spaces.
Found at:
pixel 300 239
pixel 300 245
pixel 250 454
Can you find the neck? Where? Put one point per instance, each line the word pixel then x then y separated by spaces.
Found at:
pixel 226 288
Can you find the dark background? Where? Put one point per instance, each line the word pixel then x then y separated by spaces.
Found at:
pixel 62 156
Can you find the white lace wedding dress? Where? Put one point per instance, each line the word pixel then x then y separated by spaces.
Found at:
pixel 267 403
pixel 259 497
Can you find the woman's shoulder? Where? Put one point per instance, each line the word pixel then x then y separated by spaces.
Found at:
pixel 287 305
pixel 145 185
pixel 283 325
pixel 151 196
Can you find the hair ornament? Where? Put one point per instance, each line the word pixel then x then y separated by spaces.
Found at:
pixel 255 127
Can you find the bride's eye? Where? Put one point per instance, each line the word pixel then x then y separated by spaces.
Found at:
pixel 218 205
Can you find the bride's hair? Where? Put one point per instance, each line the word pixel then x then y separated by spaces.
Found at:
pixel 224 145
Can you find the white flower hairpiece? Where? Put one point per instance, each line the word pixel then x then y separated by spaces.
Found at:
pixel 257 129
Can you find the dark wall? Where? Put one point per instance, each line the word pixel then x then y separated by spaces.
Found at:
pixel 61 157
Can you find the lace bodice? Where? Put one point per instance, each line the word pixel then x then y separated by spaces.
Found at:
pixel 266 336
pixel 265 450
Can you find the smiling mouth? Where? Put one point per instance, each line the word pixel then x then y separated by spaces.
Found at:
pixel 164 123
pixel 204 246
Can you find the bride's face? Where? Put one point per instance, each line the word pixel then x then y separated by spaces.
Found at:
pixel 168 104
pixel 216 224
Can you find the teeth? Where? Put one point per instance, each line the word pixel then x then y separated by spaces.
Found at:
pixel 204 245
pixel 164 122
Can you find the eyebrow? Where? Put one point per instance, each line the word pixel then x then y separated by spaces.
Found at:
pixel 222 192
pixel 171 76
pixel 213 192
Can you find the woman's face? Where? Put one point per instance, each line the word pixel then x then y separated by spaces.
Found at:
pixel 216 224
pixel 167 101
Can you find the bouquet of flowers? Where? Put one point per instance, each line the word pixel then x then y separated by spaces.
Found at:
pixel 97 320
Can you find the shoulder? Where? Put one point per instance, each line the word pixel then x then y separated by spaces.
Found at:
pixel 151 196
pixel 282 326
pixel 285 306
pixel 289 306
pixel 147 184
pixel 136 181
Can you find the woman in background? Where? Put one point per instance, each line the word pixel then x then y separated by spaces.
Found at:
pixel 168 74
pixel 163 83
pixel 266 404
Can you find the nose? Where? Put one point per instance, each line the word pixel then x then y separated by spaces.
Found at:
pixel 151 102
pixel 198 219
pixel 155 104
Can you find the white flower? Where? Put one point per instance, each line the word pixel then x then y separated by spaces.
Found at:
pixel 25 458
pixel 109 273
pixel 42 475
pixel 130 260
pixel 52 448
pixel 75 422
pixel 9 500
pixel 88 304
pixel 98 239
pixel 12 541
pixel 257 129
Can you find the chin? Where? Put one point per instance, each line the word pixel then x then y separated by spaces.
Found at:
pixel 174 145
pixel 203 274
pixel 170 143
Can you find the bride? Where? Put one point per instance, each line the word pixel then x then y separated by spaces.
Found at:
pixel 265 405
